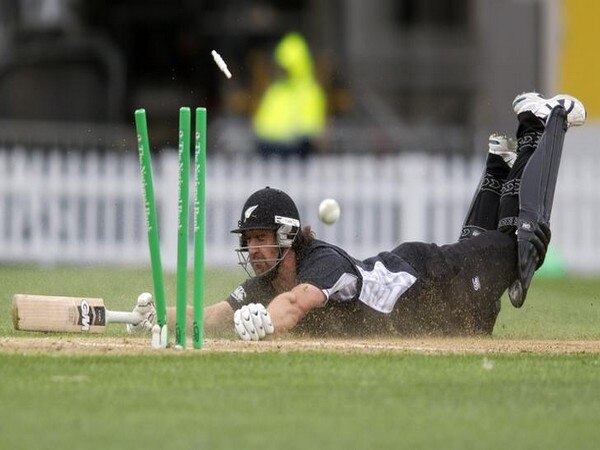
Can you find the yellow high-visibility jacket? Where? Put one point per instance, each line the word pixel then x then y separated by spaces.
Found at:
pixel 294 107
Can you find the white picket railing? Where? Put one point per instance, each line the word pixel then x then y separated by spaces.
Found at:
pixel 86 207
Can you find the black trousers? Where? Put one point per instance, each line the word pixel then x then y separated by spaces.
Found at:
pixel 459 285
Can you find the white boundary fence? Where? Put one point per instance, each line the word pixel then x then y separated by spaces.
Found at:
pixel 86 207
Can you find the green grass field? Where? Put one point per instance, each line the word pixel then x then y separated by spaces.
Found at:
pixel 302 399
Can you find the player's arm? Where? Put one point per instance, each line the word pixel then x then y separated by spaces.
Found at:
pixel 288 309
pixel 253 322
pixel 218 318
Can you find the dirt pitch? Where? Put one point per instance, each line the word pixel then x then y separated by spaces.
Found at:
pixel 81 345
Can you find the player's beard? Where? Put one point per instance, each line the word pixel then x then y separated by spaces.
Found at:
pixel 274 265
pixel 261 265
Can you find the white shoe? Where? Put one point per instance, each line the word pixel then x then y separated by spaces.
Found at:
pixel 541 107
pixel 503 146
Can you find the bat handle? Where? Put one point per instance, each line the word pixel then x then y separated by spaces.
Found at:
pixel 122 317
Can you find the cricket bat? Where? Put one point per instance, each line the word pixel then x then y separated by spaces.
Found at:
pixel 65 314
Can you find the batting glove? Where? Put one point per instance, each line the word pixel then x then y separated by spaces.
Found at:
pixel 146 311
pixel 252 322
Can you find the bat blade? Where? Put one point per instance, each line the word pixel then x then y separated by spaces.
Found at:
pixel 62 314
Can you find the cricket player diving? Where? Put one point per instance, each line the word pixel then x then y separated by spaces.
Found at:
pixel 300 284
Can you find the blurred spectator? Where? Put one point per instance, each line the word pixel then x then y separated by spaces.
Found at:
pixel 291 113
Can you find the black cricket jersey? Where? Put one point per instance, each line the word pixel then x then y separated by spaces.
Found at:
pixel 415 289
pixel 359 294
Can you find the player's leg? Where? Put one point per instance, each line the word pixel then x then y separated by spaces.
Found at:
pixel 459 285
pixel 528 193
pixel 487 266
pixel 477 313
pixel 483 212
pixel 532 112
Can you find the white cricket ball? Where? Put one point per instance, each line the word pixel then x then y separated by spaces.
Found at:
pixel 329 211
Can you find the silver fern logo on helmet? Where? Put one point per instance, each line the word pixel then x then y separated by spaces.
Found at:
pixel 249 212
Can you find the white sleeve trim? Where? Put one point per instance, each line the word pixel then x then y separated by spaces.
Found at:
pixel 344 289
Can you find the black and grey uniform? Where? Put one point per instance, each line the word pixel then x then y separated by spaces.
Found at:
pixel 419 288
pixel 414 289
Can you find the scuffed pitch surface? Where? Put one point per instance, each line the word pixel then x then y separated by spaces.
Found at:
pixel 129 345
